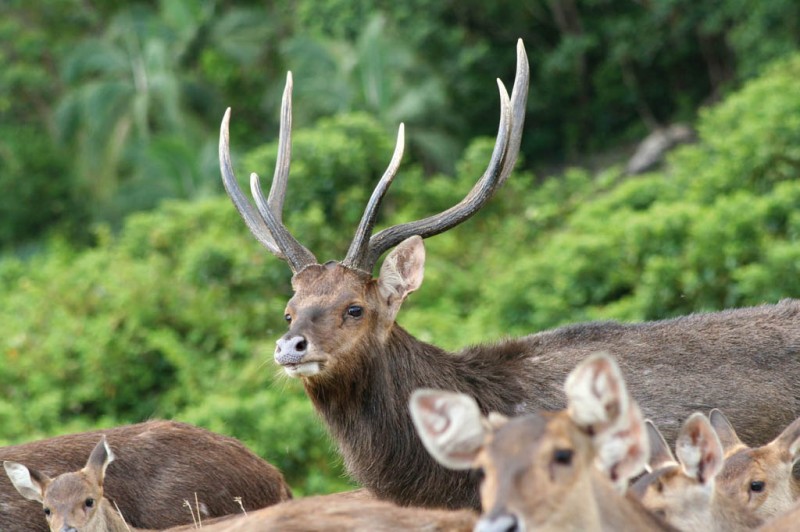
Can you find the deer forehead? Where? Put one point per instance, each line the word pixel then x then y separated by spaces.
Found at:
pixel 517 444
pixel 69 488
pixel 328 283
pixel 749 463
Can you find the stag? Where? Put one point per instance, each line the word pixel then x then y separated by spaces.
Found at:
pixel 359 367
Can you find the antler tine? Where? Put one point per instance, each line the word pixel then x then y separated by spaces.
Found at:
pixel 500 165
pixel 296 254
pixel 519 99
pixel 248 214
pixel 268 228
pixel 277 191
pixel 357 254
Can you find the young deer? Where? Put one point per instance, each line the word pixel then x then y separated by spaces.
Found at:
pixel 359 367
pixel 72 502
pixel 160 464
pixel 547 471
pixel 683 490
pixel 764 479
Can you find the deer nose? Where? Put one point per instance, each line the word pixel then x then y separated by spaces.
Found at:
pixel 67 528
pixel 497 523
pixel 291 350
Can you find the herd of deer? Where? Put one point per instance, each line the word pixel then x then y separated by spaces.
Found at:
pixel 540 432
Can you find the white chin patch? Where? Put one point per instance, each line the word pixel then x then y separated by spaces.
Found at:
pixel 308 369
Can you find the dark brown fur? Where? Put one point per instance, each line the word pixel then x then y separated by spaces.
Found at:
pixel 159 465
pixel 745 361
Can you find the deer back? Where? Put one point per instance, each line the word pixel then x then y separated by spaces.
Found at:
pixel 159 465
pixel 347 512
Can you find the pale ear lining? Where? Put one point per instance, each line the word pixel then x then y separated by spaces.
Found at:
pixel 24 483
pixel 597 397
pixel 402 271
pixel 450 426
pixel 624 450
pixel 699 450
pixel 99 459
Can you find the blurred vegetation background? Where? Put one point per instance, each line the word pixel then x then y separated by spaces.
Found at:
pixel 130 289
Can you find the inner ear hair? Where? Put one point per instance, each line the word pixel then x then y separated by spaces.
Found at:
pixel 596 394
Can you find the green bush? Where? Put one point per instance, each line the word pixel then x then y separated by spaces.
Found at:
pixel 176 315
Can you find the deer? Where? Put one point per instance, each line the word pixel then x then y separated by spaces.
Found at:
pixel 550 470
pixel 72 501
pixel 764 479
pixel 336 512
pixel 160 464
pixel 683 490
pixel 359 367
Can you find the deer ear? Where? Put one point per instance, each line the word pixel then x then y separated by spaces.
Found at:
pixel 789 439
pixel 98 461
pixel 660 453
pixel 401 272
pixel 725 432
pixel 596 393
pixel 29 483
pixel 623 450
pixel 450 425
pixel 699 449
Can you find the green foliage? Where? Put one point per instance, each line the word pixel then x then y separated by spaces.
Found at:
pixel 175 315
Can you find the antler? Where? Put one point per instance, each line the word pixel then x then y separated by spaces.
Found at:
pixel 267 224
pixel 504 156
pixel 268 228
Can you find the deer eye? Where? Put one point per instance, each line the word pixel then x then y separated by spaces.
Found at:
pixel 354 311
pixel 563 456
pixel 757 486
pixel 288 318
pixel 47 512
pixel 479 474
pixel 89 502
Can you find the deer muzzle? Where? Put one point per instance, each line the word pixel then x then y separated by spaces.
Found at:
pixel 498 523
pixel 291 350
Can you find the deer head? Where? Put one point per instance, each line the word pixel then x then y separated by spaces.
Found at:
pixel 338 305
pixel 539 469
pixel 765 479
pixel 72 501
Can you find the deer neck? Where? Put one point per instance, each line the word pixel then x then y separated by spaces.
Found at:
pixel 367 414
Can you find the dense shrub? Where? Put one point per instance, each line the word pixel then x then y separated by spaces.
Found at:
pixel 177 314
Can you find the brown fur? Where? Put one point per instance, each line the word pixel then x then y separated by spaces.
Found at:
pixel 347 512
pixel 785 522
pixel 159 465
pixel 745 360
pixel 776 465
